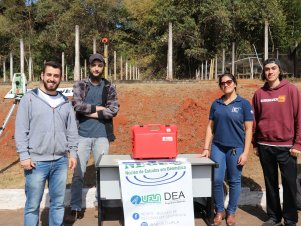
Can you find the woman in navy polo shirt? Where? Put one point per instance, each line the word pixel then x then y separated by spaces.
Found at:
pixel 230 133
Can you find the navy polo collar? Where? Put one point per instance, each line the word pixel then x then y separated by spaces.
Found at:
pixel 237 99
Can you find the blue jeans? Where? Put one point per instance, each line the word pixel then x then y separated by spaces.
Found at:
pixel 99 147
pixel 56 174
pixel 227 161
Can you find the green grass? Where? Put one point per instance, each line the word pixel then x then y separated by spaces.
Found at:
pixel 13 177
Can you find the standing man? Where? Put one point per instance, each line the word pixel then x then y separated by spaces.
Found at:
pixel 45 131
pixel 95 102
pixel 277 141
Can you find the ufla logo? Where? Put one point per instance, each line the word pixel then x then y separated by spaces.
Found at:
pixel 156 198
pixel 152 198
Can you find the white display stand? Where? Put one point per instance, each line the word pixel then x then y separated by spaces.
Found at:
pixel 108 182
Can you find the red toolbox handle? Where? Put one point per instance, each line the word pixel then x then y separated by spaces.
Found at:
pixel 155 127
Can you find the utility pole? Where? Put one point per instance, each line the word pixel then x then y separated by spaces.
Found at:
pixel 266 40
pixel 215 70
pixel 106 59
pixel 169 55
pixel 126 69
pixel 115 69
pixel 223 61
pixel 63 66
pixel 206 71
pixel 11 64
pixel 21 56
pixel 121 69
pixel 77 63
pixel 233 58
pixel 30 69
pixel 202 72
pixel 94 45
pixel 4 71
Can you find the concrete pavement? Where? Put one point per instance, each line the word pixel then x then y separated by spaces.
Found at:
pixel 246 216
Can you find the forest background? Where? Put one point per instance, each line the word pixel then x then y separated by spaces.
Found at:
pixel 138 30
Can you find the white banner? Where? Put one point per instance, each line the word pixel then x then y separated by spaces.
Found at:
pixel 157 192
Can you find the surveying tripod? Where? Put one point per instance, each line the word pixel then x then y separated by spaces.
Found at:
pixel 17 91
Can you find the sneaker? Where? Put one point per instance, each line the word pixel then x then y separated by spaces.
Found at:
pixel 72 216
pixel 271 222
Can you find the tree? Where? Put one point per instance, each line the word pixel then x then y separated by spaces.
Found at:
pixel 138 29
pixel 292 12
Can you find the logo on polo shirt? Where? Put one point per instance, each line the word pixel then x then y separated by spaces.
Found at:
pixel 235 109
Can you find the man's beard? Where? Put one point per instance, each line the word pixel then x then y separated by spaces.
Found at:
pixel 95 78
pixel 51 89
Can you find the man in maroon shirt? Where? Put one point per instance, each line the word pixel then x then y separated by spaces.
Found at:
pixel 277 141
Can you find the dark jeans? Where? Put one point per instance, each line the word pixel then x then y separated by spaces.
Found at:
pixel 270 158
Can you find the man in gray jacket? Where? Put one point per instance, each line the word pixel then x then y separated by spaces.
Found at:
pixel 45 132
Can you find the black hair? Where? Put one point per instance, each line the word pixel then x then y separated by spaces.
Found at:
pixel 232 77
pixel 272 61
pixel 52 64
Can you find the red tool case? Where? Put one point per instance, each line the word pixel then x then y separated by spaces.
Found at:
pixel 154 141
